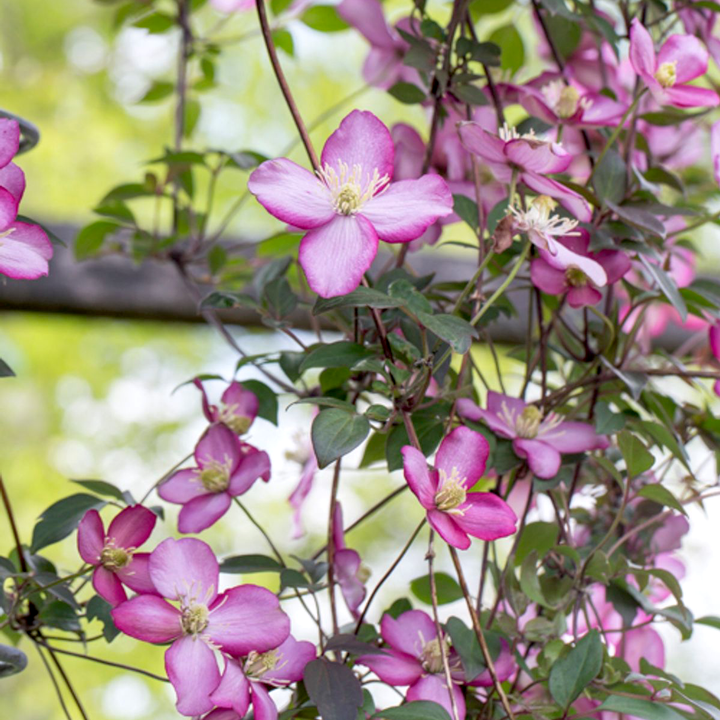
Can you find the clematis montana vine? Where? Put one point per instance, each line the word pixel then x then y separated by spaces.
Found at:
pixel 113 554
pixel 248 680
pixel 238 407
pixel 452 511
pixel 682 58
pixel 351 205
pixel 24 248
pixel 541 440
pixel 245 619
pixel 226 468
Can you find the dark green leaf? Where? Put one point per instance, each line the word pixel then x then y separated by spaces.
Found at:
pixel 467 210
pixel 447 589
pixel 91 238
pixel 667 286
pixel 247 564
pixel 267 399
pixel 336 433
pixel 538 536
pixel 407 93
pixel 470 94
pixel 279 298
pixel 99 609
pixel 610 178
pixel 350 643
pixel 571 674
pixel 660 494
pixel 400 606
pixel 61 518
pixel 455 331
pixel 338 354
pixel 465 643
pixel 334 689
pixel 100 487
pixel 12 661
pixel 417 710
pixel 638 217
pixel 60 615
pixel 640 708
pixel 361 297
pixel 607 421
pixel 6 370
pixel 637 457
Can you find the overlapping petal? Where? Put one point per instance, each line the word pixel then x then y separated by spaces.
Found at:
pixel 185 568
pixel 193 671
pixel 465 451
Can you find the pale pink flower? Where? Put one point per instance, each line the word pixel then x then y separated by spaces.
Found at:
pixel 238 407
pixel 350 573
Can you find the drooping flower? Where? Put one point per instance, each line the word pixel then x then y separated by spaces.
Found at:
pixel 249 680
pixel 226 468
pixel 571 280
pixel 452 511
pixel 238 407
pixel 114 554
pixel 715 149
pixel 351 205
pixel 531 158
pixel 24 248
pixel 540 439
pixel 240 621
pixel 682 58
pixel 350 573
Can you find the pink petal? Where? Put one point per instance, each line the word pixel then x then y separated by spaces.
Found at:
pixel 562 257
pixel 584 296
pixel 615 263
pixel 422 481
pixel 641 643
pixel 192 669
pixel 347 564
pixel 291 193
pixel 228 6
pixel 362 139
pixel 689 96
pixel 409 632
pixel 504 667
pixel 9 140
pixel 498 403
pixel 202 512
pixel 244 403
pixel 409 147
pixel 602 111
pixel 335 256
pixel 12 178
pixel 575 204
pixel 251 467
pixel 395 668
pixel 185 568
pixel 136 575
pixel 263 706
pixel 642 52
pixel 210 411
pixel 434 688
pixel 91 534
pixel 714 336
pixel 367 17
pixel 486 516
pixel 486 145
pixel 468 409
pixel 337 528
pixel 219 444
pixel 715 149
pixel 25 252
pixel 294 656
pixel 222 714
pixel 669 535
pixel 300 493
pixel 383 67
pixel 547 278
pixel 689 54
pixel 8 209
pixel 543 459
pixel 247 618
pixel 466 451
pixel 148 618
pixel 446 527
pixel 132 526
pixel 572 437
pixel 233 690
pixel 182 486
pixel 538 157
pixel 108 586
pixel 408 207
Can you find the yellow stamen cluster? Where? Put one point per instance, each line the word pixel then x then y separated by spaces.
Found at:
pixel 666 74
pixel 115 558
pixel 215 476
pixel 239 424
pixel 576 277
pixel 349 189
pixel 194 619
pixel 258 664
pixel 528 423
pixel 431 656
pixel 451 493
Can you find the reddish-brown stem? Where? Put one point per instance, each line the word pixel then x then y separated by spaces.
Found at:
pixel 331 546
pixel 13 526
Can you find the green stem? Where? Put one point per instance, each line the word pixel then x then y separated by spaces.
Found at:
pixel 250 517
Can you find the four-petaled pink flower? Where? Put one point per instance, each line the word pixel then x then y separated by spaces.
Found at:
pixel 113 554
pixel 238 407
pixel 452 511
pixel 240 621
pixel 556 278
pixel 249 680
pixel 350 573
pixel 540 439
pixel 24 248
pixel 682 58
pixel 226 467
pixel 351 205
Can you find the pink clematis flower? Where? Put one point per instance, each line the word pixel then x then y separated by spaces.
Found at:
pixel 351 205
pixel 24 248
pixel 238 407
pixel 452 511
pixel 230 6
pixel 248 681
pixel 226 467
pixel 240 621
pixel 714 338
pixel 571 280
pixel 531 158
pixel 682 58
pixel 350 573
pixel 540 440
pixel 715 149
pixel 114 554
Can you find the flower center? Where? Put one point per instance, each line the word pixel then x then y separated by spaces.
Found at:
pixel 239 424
pixel 528 423
pixel 215 476
pixel 563 99
pixel 350 189
pixel 257 664
pixel 576 277
pixel 666 74
pixel 431 657
pixel 452 492
pixel 538 218
pixel 114 558
pixel 194 619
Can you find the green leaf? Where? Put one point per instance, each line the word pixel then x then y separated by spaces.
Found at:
pixel 400 606
pixel 284 41
pixel 246 159
pixel 116 209
pixel 158 91
pixel 374 450
pixel 227 300
pixel 710 621
pixel 429 430
pixel 447 589
pixel 61 518
pixel 417 710
pixel 660 494
pixel 334 689
pixel 637 457
pixel 291 578
pixel 610 178
pixel 416 302
pixel 100 609
pixel 470 94
pixel 156 22
pixel 511 45
pixel 279 298
pixel 529 580
pixel 607 421
pixel 100 487
pixel 538 536
pixel 267 399
pixel 324 18
pixel 5 369
pixel 12 661
pixel 91 238
pixel 639 707
pixel 571 674
pixel 248 564
pixel 337 354
pixel 667 286
pixel 465 643
pixel 467 210
pixel 361 297
pixel 336 433
pixel 455 331
pixel 488 7
pixel 638 217
pixel 407 93
pixel 486 53
pixel 59 614
pixel 350 643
